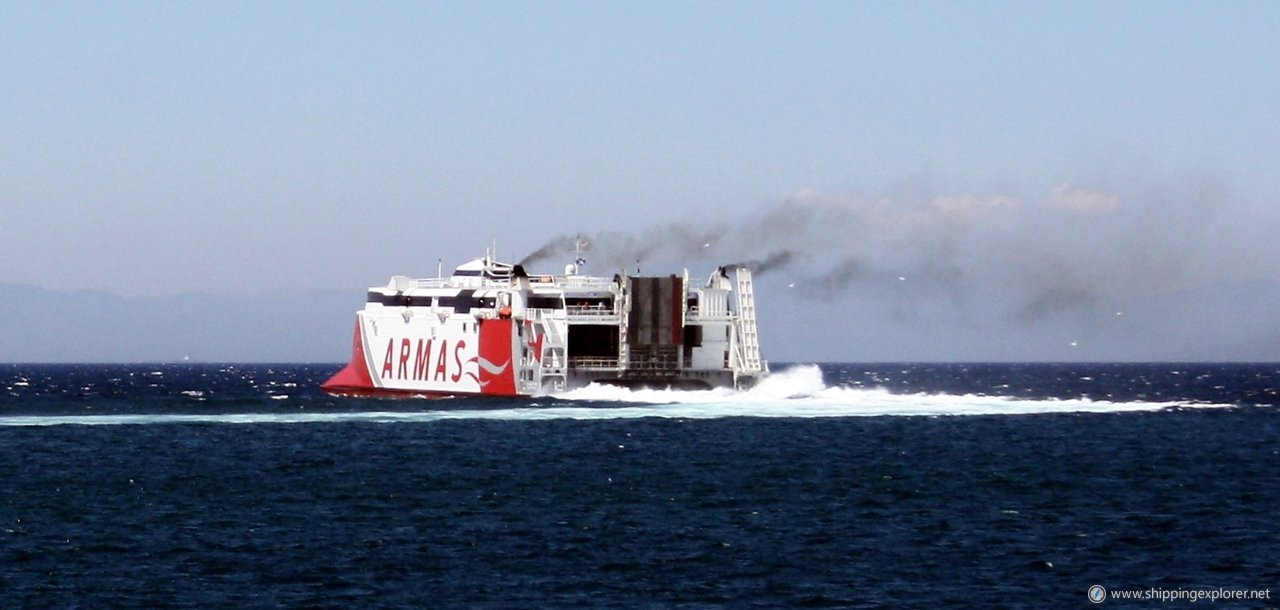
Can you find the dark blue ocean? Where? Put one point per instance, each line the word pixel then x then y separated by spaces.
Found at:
pixel 840 485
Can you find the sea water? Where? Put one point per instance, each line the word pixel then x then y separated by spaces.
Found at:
pixel 834 485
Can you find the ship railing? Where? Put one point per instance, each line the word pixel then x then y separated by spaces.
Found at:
pixel 712 317
pixel 590 313
pixel 593 363
pixel 664 358
pixel 429 283
pixel 583 281
pixel 670 368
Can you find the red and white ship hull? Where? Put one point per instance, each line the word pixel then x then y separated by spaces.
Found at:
pixel 490 329
pixel 481 359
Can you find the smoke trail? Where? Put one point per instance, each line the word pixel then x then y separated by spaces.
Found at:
pixel 774 260
pixel 1022 257
pixel 611 251
pixel 837 280
pixel 557 246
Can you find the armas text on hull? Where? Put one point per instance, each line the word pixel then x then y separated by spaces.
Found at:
pixel 491 328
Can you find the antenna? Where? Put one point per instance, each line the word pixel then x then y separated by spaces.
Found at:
pixel 579 260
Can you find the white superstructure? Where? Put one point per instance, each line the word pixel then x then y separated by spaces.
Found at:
pixel 492 328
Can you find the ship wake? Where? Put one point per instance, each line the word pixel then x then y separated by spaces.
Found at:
pixel 798 392
pixel 801 392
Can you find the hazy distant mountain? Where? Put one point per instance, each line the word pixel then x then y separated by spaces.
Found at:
pixel 1225 322
pixel 41 325
pixel 1222 322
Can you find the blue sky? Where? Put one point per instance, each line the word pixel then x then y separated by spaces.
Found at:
pixel 242 148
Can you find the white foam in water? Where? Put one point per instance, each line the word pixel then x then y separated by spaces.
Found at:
pixel 795 392
pixel 800 392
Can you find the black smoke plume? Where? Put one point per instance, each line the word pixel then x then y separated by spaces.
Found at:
pixel 557 246
pixel 772 261
pixel 1060 252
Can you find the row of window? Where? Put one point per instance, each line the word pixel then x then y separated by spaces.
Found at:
pixel 461 303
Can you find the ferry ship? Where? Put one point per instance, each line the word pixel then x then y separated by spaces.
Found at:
pixel 493 329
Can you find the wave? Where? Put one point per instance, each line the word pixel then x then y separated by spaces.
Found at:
pixel 800 392
pixel 797 392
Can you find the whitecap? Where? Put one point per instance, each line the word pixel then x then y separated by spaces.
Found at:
pixel 797 392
